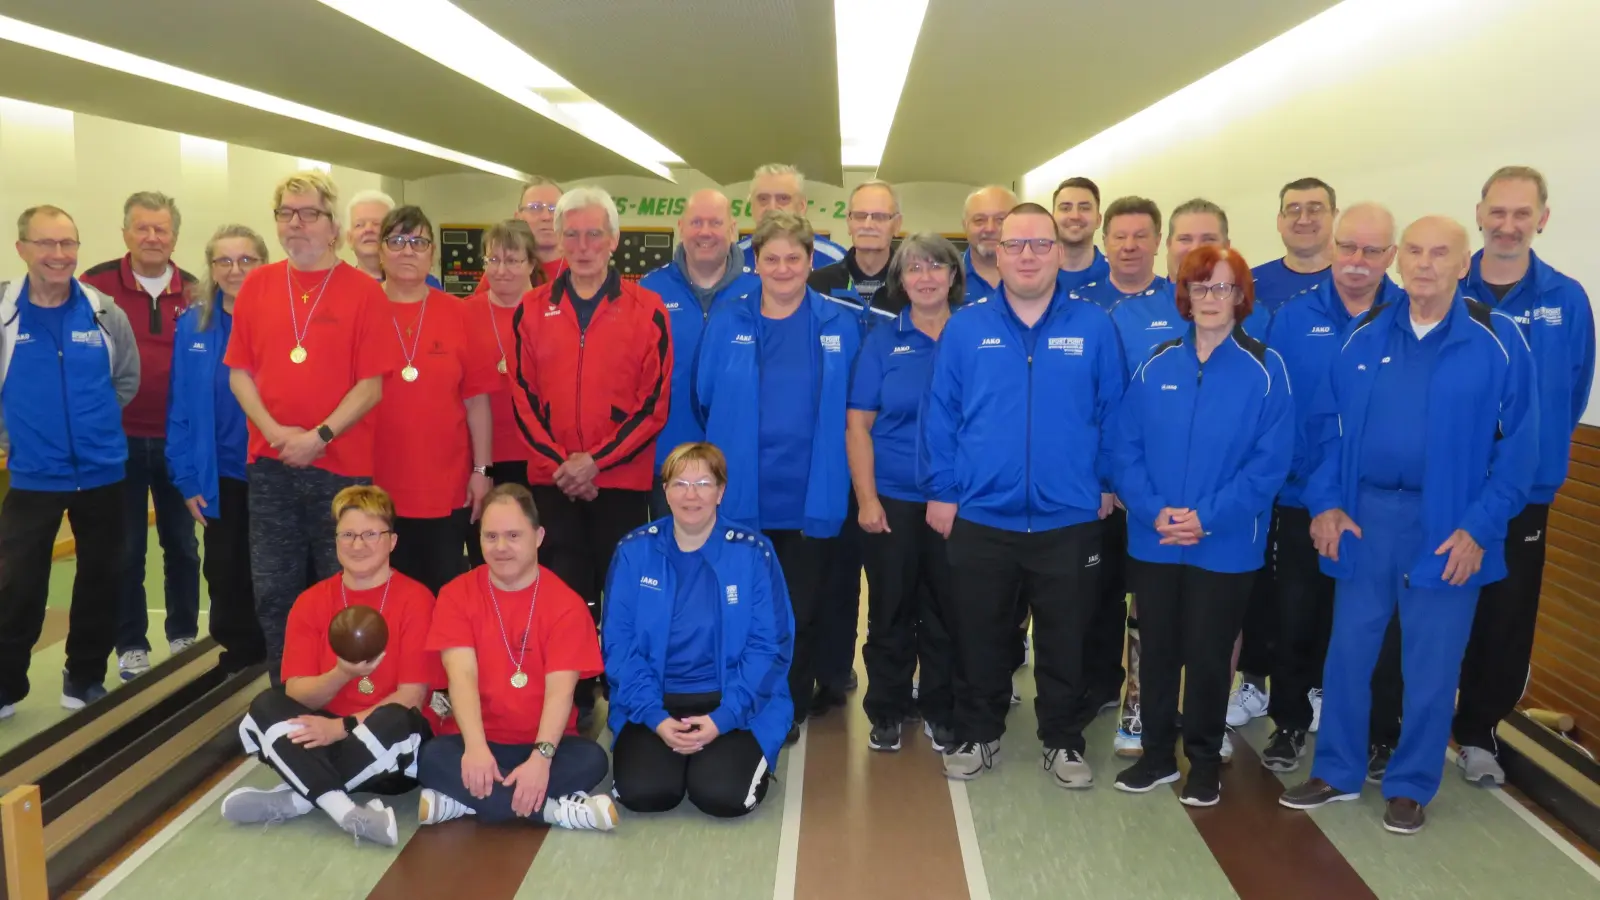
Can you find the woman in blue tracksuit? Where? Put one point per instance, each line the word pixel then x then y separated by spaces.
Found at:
pixel 206 442
pixel 1203 442
pixel 697 642
pixel 771 379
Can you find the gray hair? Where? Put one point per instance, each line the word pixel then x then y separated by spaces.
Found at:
pixel 1198 205
pixel 930 247
pixel 782 169
pixel 203 295
pixel 894 195
pixel 1367 207
pixel 154 201
pixel 583 197
pixel 1519 173
pixel 536 181
pixel 366 197
pixel 32 212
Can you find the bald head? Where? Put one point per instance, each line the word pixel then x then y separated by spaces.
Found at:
pixel 1370 219
pixel 982 216
pixel 1364 248
pixel 1433 258
pixel 707 230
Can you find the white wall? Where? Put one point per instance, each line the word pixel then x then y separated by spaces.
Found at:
pixel 1413 107
pixel 88 166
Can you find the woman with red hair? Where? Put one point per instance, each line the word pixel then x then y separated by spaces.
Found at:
pixel 1201 446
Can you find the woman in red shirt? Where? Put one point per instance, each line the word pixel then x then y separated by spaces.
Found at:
pixel 434 425
pixel 336 727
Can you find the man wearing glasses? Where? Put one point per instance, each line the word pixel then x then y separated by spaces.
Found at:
pixel 779 187
pixel 872 216
pixel 1032 378
pixel 537 207
pixel 307 357
pixel 1306 210
pixel 68 366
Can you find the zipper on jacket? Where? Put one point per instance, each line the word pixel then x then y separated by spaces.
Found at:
pixel 583 339
pixel 1199 379
pixel 66 405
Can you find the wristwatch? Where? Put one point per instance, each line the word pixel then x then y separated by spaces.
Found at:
pixel 350 723
pixel 546 749
pixel 480 470
pixel 325 433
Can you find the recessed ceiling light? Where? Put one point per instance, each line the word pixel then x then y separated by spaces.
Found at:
pixel 875 40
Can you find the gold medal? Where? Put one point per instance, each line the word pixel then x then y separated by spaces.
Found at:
pixel 409 373
pixel 520 679
pixel 365 685
pixel 501 366
pixel 297 355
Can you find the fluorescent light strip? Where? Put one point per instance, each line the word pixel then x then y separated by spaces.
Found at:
pixel 117 60
pixel 876 36
pixel 450 37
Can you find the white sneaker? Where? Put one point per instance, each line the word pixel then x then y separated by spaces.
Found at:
pixel 1315 696
pixel 254 806
pixel 1245 704
pixel 1129 742
pixel 133 664
pixel 970 760
pixel 1069 769
pixel 179 645
pixel 375 822
pixel 7 711
pixel 434 807
pixel 1478 764
pixel 1227 748
pixel 1016 698
pixel 581 812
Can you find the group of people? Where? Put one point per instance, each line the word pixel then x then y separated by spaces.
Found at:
pixel 694 470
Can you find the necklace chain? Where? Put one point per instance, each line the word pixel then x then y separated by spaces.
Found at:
pixel 382 601
pixel 294 320
pixel 417 341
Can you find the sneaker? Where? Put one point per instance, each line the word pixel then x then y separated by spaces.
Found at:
pixel 434 807
pixel 1227 748
pixel 1069 769
pixel 1478 764
pixel 940 736
pixel 916 687
pixel 179 645
pixel 1378 763
pixel 1129 742
pixel 1313 793
pixel 375 822
pixel 253 806
pixel 1248 702
pixel 1202 788
pixel 1284 750
pixel 1145 776
pixel 885 736
pixel 75 697
pixel 852 683
pixel 970 760
pixel 133 663
pixel 7 710
pixel 793 735
pixel 581 812
pixel 1016 698
pixel 1315 696
pixel 1403 815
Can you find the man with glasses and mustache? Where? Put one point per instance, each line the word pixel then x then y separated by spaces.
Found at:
pixel 780 187
pixel 1306 207
pixel 68 366
pixel 308 356
pixel 985 210
pixel 872 216
pixel 1076 206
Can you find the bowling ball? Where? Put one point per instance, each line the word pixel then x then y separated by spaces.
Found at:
pixel 358 634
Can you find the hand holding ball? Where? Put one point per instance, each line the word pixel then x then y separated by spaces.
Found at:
pixel 358 634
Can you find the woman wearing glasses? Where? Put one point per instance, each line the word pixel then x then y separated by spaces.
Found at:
pixel 434 423
pixel 208 443
pixel 908 575
pixel 1201 446
pixel 697 642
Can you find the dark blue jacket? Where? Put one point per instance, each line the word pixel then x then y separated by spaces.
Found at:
pixel 1307 332
pixel 688 323
pixel 1482 434
pixel 1102 293
pixel 1213 437
pixel 1147 320
pixel 1099 270
pixel 192 450
pixel 1554 313
pixel 1277 284
pixel 974 287
pixel 1020 442
pixel 727 402
pixel 756 640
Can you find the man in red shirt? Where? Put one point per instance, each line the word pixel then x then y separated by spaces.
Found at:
pixel 515 641
pixel 338 727
pixel 537 207
pixel 592 383
pixel 308 357
pixel 152 291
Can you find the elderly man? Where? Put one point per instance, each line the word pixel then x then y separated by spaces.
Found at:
pixel 68 365
pixel 781 187
pixel 151 291
pixel 872 215
pixel 1427 431
pixel 590 395
pixel 309 352
pixel 1306 209
pixel 1076 206
pixel 706 270
pixel 363 217
pixel 536 205
pixel 985 211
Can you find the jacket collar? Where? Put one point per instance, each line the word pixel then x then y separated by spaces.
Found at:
pixel 610 289
pixel 666 541
pixel 13 294
pixel 129 282
pixel 1332 306
pixel 679 267
pixel 1537 277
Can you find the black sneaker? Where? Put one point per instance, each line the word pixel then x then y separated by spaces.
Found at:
pixel 885 736
pixel 1145 776
pixel 1203 787
pixel 794 734
pixel 1378 763
pixel 1284 750
pixel 942 737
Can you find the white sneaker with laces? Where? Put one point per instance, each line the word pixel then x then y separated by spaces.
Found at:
pixel 1129 742
pixel 178 645
pixel 581 812
pixel 1478 764
pixel 133 663
pixel 375 822
pixel 1248 702
pixel 1069 769
pixel 7 711
pixel 252 806
pixel 434 807
pixel 1315 696
pixel 970 760
pixel 1227 748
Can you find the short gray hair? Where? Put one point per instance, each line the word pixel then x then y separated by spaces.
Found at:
pixel 894 195
pixel 1198 205
pixel 933 247
pixel 366 197
pixel 536 181
pixel 33 212
pixel 781 169
pixel 583 197
pixel 1519 173
pixel 154 201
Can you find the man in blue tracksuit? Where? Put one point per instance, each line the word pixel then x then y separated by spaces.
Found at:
pixel 780 187
pixel 1076 207
pixel 1306 210
pixel 1427 430
pixel 1307 332
pixel 706 271
pixel 986 208
pixel 68 365
pixel 1024 385
pixel 1554 314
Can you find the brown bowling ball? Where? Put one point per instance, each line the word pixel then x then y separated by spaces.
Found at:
pixel 358 634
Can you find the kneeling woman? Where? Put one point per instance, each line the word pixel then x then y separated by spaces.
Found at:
pixel 335 727
pixel 1201 447
pixel 698 639
pixel 515 641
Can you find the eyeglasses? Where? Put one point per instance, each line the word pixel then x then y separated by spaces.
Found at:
pixel 1296 210
pixel 1222 290
pixel 367 537
pixel 509 262
pixel 927 268
pixel 861 215
pixel 50 246
pixel 1346 248
pixel 398 242
pixel 686 487
pixel 242 263
pixel 308 215
pixel 537 207
pixel 1040 246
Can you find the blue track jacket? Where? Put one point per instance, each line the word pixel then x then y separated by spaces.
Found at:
pixel 1148 320
pixel 192 408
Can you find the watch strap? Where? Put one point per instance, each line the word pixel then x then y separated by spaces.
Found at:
pixel 350 723
pixel 545 749
pixel 325 433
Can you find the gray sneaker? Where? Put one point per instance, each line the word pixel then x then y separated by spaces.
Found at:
pixel 1477 764
pixel 253 806
pixel 1069 769
pixel 969 760
pixel 375 822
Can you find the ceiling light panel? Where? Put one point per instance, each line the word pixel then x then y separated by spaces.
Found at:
pixel 875 40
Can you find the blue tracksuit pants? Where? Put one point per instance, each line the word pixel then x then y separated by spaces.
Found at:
pixel 1435 622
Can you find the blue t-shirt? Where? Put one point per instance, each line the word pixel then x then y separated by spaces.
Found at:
pixel 892 375
pixel 233 437
pixel 788 419
pixel 692 659
pixel 1394 441
pixel 1276 283
pixel 52 320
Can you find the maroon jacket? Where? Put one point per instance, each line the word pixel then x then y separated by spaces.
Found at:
pixel 154 322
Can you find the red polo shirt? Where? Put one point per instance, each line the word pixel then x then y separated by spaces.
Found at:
pixel 344 339
pixel 407 610
pixel 490 333
pixel 154 320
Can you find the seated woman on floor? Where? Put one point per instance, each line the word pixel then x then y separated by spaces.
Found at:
pixel 335 728
pixel 698 637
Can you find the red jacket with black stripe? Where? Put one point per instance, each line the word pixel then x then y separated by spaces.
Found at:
pixel 603 390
